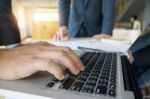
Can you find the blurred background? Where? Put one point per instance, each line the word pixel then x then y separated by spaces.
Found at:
pixel 38 19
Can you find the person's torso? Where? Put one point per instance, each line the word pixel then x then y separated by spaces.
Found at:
pixel 87 9
pixel 88 12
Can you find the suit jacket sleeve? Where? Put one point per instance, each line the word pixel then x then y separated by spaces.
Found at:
pixel 108 14
pixel 142 41
pixel 9 32
pixel 141 48
pixel 64 9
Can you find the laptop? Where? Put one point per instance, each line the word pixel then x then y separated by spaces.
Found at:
pixel 107 75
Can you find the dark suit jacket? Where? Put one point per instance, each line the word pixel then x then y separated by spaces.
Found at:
pixel 141 49
pixel 9 32
pixel 97 15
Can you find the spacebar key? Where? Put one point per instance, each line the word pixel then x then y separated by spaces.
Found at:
pixel 67 83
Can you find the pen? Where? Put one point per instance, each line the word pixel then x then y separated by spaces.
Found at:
pixel 86 48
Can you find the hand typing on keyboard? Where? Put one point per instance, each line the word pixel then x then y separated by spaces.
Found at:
pixel 99 76
pixel 23 61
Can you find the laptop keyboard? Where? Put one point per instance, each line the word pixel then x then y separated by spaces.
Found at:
pixel 98 78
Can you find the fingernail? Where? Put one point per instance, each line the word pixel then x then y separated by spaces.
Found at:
pixel 77 72
pixel 82 69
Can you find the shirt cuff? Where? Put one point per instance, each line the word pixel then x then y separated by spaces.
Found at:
pixel 12 45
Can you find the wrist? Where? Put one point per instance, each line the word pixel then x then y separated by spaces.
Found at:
pixel 65 27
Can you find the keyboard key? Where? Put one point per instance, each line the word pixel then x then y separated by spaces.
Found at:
pixel 99 76
pixel 104 78
pixel 91 85
pixel 55 80
pixel 88 90
pixel 113 81
pixel 112 93
pixel 51 84
pixel 82 78
pixel 67 83
pixel 85 73
pixel 101 90
pixel 103 83
pixel 93 79
pixel 77 86
pixel 112 86
pixel 113 77
pixel 95 74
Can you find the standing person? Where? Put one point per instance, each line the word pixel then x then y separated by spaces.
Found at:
pixel 86 18
pixel 136 24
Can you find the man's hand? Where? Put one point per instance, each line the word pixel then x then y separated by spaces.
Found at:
pixel 23 61
pixel 62 33
pixel 101 36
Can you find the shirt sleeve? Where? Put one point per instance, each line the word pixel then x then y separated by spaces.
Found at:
pixel 9 31
pixel 64 9
pixel 108 14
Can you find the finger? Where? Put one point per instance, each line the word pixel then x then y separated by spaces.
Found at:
pixel 54 37
pixel 61 35
pixel 51 67
pixel 96 37
pixel 60 56
pixel 55 70
pixel 72 55
pixel 57 36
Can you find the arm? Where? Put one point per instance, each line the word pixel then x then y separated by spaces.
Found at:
pixel 9 32
pixel 140 49
pixel 142 41
pixel 64 9
pixel 108 18
pixel 108 13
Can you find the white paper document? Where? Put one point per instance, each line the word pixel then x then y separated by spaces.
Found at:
pixel 104 44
